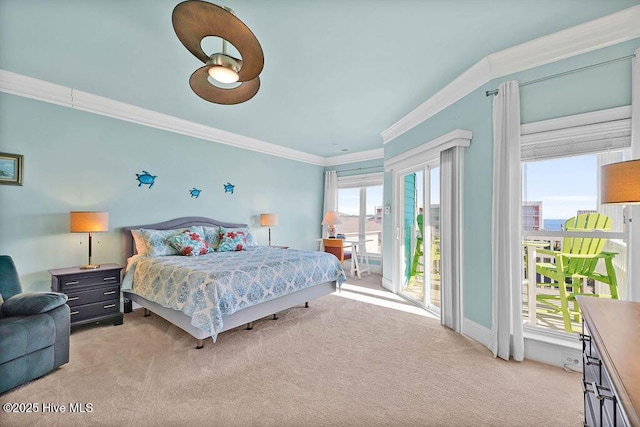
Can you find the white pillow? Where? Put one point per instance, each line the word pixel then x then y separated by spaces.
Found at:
pixel 141 247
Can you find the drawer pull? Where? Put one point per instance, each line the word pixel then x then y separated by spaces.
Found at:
pixel 74 282
pixel 597 390
pixel 109 278
pixel 72 298
pixel 74 312
pixel 583 337
pixel 109 306
pixel 109 293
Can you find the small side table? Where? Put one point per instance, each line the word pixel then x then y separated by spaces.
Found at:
pixel 94 295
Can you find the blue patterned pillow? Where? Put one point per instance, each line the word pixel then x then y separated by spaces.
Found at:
pixel 212 236
pixel 156 241
pixel 232 239
pixel 190 243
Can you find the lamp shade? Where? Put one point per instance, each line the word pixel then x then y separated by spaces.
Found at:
pixel 331 218
pixel 89 222
pixel 268 219
pixel 620 182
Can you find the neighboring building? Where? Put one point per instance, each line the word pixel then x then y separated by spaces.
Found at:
pixel 532 216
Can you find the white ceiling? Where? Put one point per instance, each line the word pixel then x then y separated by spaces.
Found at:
pixel 336 75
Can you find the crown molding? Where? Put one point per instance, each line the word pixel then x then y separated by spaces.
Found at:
pixel 466 83
pixel 28 87
pixel 602 32
pixel 360 156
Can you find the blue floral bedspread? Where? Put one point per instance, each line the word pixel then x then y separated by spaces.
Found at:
pixel 218 284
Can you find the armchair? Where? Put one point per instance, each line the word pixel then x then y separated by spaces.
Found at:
pixel 576 261
pixel 34 330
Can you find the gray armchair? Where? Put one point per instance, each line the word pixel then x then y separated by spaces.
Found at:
pixel 34 330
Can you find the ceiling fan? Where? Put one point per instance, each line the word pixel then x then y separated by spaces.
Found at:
pixel 193 20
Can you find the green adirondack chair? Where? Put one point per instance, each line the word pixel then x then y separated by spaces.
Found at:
pixel 575 262
pixel 417 262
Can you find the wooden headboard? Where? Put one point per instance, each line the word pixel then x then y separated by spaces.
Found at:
pixel 129 248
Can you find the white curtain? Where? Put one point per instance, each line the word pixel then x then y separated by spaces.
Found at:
pixel 450 236
pixel 633 211
pixel 330 195
pixel 506 326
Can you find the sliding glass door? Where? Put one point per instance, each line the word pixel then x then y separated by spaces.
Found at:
pixel 420 236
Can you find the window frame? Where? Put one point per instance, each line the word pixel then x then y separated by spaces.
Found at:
pixel 610 126
pixel 362 181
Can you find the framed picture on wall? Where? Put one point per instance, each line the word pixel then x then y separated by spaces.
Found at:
pixel 11 166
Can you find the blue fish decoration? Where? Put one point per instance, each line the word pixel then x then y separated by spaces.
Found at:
pixel 145 178
pixel 195 192
pixel 228 187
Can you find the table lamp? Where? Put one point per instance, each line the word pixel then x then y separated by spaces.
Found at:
pixel 620 183
pixel 89 222
pixel 268 220
pixel 331 219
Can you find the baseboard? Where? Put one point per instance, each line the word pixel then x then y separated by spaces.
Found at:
pixel 387 284
pixel 564 352
pixel 476 332
pixel 541 346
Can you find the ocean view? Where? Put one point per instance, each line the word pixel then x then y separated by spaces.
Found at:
pixel 553 224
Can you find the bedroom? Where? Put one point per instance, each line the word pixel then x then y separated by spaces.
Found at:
pixel 76 160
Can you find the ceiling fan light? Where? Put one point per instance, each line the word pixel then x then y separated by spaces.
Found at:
pixel 223 68
pixel 223 74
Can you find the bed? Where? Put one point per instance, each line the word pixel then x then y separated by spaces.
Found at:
pixel 221 290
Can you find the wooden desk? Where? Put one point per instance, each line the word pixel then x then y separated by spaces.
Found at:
pixel 611 370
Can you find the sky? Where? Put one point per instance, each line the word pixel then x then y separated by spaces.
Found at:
pixel 564 185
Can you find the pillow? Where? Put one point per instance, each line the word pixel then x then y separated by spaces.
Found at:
pixel 156 241
pixel 28 303
pixel 190 243
pixel 232 239
pixel 212 236
pixel 251 240
pixel 141 248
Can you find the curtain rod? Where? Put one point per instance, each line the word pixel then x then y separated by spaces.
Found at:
pixel 553 76
pixel 357 169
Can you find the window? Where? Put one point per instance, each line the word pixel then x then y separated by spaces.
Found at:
pixel 360 209
pixel 560 180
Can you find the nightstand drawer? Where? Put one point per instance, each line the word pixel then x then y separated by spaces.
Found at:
pixel 93 295
pixel 79 281
pixel 96 310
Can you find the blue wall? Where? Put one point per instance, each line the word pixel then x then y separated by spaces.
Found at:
pixel 81 161
pixel 595 89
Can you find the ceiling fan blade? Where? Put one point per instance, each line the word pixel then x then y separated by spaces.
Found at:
pixel 194 20
pixel 200 85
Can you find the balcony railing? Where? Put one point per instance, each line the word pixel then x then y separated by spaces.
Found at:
pixel 616 242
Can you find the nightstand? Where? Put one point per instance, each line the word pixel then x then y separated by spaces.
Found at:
pixel 94 295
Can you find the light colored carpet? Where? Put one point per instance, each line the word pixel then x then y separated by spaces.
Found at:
pixel 362 358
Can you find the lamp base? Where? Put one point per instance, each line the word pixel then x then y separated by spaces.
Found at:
pixel 89 267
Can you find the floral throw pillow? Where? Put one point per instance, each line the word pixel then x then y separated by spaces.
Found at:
pixel 248 235
pixel 232 240
pixel 190 243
